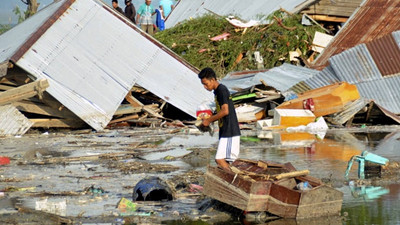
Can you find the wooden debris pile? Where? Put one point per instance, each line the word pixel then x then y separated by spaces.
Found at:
pixel 38 109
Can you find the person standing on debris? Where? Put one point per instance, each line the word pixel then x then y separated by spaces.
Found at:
pixel 160 18
pixel 130 11
pixel 229 131
pixel 116 7
pixel 167 6
pixel 144 17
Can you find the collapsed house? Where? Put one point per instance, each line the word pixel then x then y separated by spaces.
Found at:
pixel 91 57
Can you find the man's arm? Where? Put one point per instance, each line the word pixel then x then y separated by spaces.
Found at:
pixel 138 19
pixel 223 112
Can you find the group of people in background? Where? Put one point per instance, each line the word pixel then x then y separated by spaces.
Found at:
pixel 144 16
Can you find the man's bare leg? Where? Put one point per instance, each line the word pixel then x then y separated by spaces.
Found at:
pixel 223 164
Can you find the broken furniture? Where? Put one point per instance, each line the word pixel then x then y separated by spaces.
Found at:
pixel 365 157
pixel 325 100
pixel 258 186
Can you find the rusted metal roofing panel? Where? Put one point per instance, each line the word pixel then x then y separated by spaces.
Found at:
pixel 92 56
pixel 12 122
pixel 372 20
pixel 186 9
pixel 386 54
pixel 342 8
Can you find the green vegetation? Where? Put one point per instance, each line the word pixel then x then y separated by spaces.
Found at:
pixel 4 28
pixel 285 33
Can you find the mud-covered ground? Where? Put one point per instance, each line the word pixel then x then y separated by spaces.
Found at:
pixel 78 177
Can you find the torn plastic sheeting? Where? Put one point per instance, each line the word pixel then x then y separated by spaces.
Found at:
pixel 240 24
pixel 152 189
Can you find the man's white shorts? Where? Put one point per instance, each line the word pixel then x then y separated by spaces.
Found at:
pixel 228 148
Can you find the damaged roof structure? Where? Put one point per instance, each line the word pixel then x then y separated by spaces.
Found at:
pixel 332 11
pixel 281 78
pixel 373 19
pixel 374 67
pixel 258 9
pixel 92 56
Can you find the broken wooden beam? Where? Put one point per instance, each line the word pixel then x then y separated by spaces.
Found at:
pixel 131 117
pixel 60 123
pixel 292 174
pixel 24 92
pixel 41 109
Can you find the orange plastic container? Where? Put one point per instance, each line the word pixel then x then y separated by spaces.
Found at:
pixel 326 100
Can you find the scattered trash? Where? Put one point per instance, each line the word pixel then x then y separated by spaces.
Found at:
pixel 195 188
pixel 319 127
pixel 223 36
pixel 125 205
pixel 304 186
pixel 4 160
pixel 152 189
pixel 56 207
pixel 320 41
pixel 94 190
pixel 241 24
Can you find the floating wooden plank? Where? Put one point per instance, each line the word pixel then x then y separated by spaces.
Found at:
pixel 60 123
pixel 24 92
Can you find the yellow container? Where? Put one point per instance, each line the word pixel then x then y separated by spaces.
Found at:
pixel 327 100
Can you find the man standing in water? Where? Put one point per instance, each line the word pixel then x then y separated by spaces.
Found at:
pixel 229 131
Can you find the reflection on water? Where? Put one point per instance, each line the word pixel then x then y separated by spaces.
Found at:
pixel 327 158
pixel 373 205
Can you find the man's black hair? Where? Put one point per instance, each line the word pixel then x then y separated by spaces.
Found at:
pixel 207 73
pixel 116 1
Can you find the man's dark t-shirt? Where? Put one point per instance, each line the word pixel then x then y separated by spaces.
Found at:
pixel 119 10
pixel 130 12
pixel 228 125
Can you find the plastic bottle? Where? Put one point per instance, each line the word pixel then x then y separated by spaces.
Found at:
pixel 304 186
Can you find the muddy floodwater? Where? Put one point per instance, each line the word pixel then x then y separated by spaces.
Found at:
pixel 78 177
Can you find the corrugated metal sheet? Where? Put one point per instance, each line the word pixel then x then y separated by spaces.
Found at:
pixel 342 8
pixel 92 56
pixel 372 20
pixel 12 122
pixel 359 67
pixel 282 78
pixel 326 77
pixel 385 92
pixel 12 40
pixel 355 65
pixel 386 54
pixel 256 9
